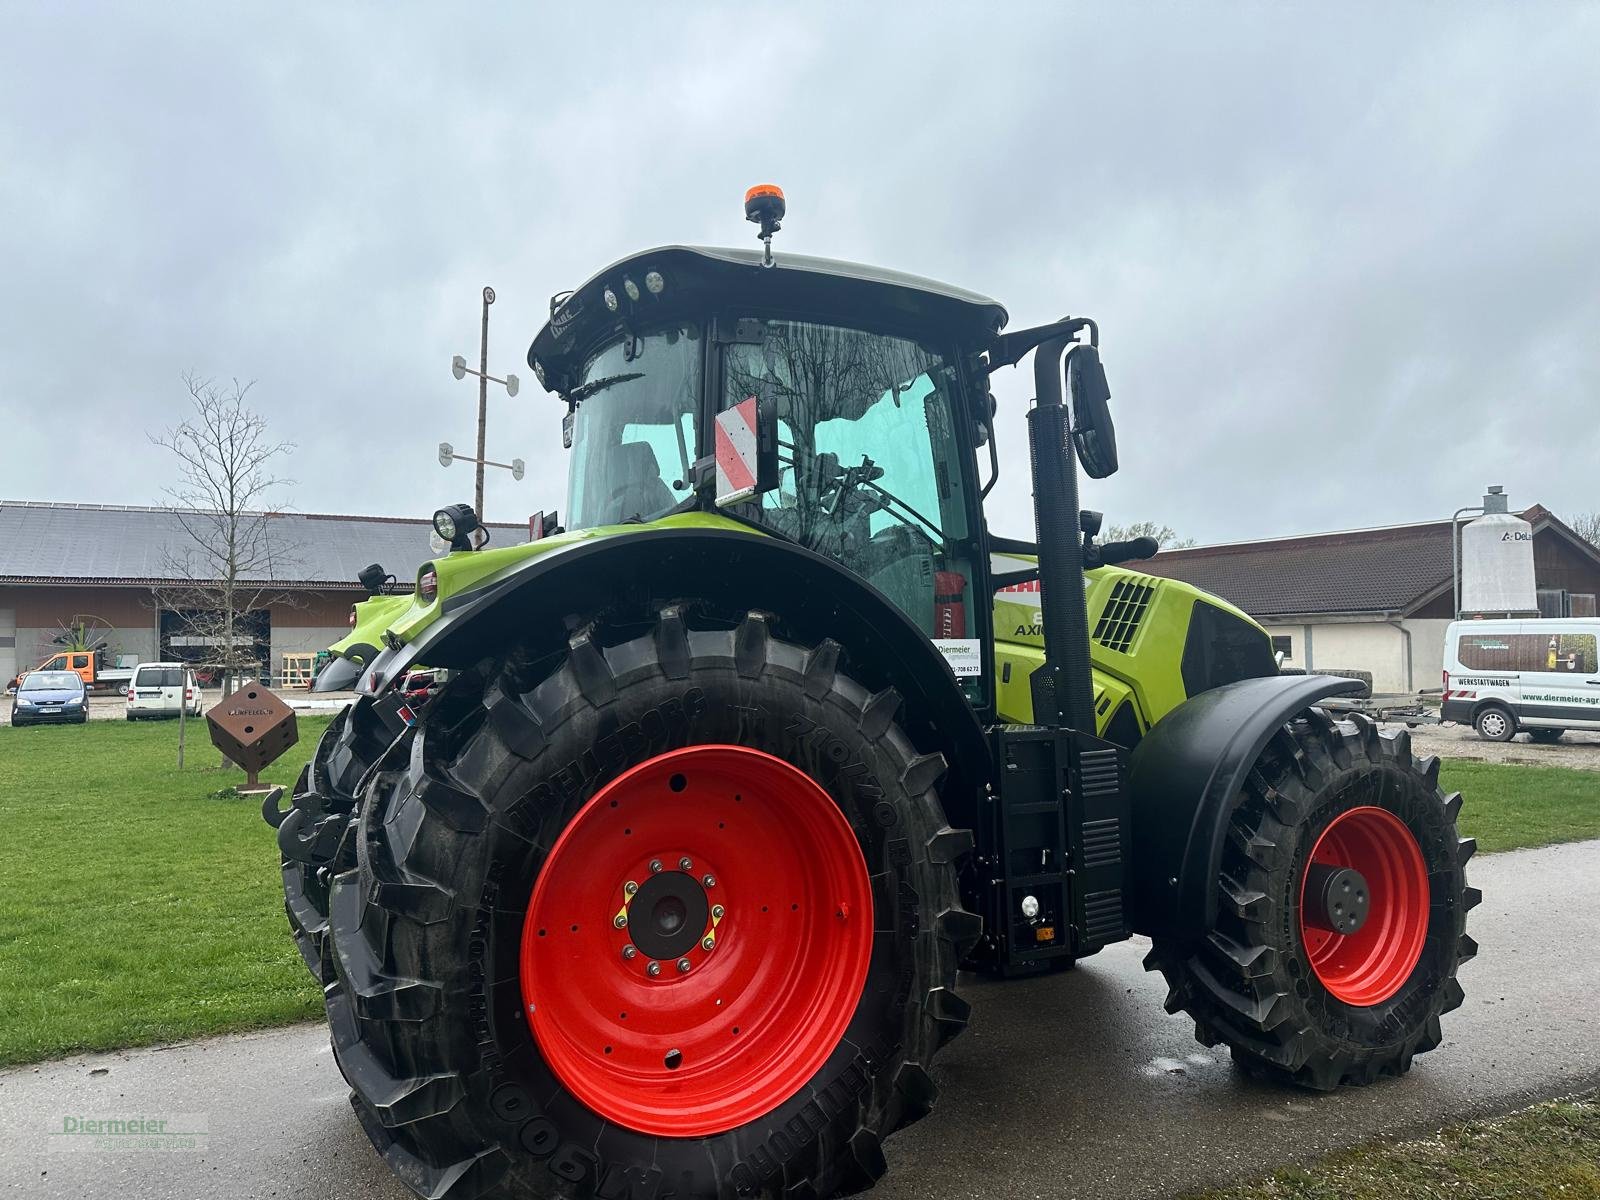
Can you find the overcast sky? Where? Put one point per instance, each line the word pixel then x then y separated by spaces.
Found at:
pixel 1346 263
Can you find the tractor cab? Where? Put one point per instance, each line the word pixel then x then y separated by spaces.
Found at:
pixel 863 378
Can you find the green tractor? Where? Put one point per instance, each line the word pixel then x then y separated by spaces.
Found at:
pixel 666 890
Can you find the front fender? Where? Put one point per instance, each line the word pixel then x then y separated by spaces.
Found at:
pixel 1185 775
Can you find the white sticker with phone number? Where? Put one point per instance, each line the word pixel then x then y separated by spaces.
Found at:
pixel 965 655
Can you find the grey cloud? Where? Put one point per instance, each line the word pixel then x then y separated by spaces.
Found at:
pixel 1345 261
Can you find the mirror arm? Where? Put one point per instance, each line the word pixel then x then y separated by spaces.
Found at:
pixel 1008 349
pixel 994 466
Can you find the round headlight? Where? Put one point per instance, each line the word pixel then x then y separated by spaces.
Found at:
pixel 631 288
pixel 1030 907
pixel 444 525
pixel 610 298
pixel 654 282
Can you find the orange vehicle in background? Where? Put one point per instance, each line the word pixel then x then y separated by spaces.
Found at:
pixel 97 668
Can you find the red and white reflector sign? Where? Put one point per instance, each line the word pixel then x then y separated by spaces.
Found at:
pixel 736 447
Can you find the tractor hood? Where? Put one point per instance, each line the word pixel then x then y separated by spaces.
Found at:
pixel 701 281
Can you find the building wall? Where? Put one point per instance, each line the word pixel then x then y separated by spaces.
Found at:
pixel 41 611
pixel 1427 652
pixel 1369 644
pixel 309 622
pixel 313 621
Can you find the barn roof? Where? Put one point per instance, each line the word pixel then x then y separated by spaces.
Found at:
pixel 127 544
pixel 1392 569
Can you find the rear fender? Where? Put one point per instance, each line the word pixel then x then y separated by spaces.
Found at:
pixel 814 597
pixel 1185 775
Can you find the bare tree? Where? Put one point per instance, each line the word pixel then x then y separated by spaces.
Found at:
pixel 1587 526
pixel 1166 537
pixel 228 563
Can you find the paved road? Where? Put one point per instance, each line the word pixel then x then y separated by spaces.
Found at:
pixel 1072 1086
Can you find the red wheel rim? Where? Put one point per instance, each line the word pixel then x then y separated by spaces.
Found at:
pixel 1370 965
pixel 743 1025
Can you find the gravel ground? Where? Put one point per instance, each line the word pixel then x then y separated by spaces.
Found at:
pixel 1575 749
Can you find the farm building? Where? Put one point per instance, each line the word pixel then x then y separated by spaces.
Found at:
pixel 1373 599
pixel 112 566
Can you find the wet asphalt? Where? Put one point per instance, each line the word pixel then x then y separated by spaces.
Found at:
pixel 1077 1085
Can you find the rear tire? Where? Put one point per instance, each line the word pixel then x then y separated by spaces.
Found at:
pixel 428 1010
pixel 1495 724
pixel 1546 737
pixel 1308 1008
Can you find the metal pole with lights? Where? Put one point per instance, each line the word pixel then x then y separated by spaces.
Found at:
pixel 459 368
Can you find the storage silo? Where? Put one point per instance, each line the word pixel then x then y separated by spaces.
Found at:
pixel 1497 563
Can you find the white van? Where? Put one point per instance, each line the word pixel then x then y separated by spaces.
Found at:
pixel 162 690
pixel 1506 677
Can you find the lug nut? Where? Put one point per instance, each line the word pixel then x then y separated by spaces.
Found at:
pixel 708 942
pixel 629 952
pixel 620 920
pixel 655 866
pixel 716 911
pixel 710 881
pixel 629 888
pixel 684 864
pixel 653 969
pixel 683 966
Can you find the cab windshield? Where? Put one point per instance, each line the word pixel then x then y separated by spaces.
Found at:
pixel 634 434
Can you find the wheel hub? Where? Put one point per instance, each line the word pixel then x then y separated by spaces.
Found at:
pixel 1337 899
pixel 668 916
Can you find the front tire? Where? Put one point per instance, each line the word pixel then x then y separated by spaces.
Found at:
pixel 466 909
pixel 1293 999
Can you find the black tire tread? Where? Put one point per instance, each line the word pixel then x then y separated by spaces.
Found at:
pixel 1234 983
pixel 313 839
pixel 412 1074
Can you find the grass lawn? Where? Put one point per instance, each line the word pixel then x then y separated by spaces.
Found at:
pixel 1552 1150
pixel 135 906
pixel 1507 806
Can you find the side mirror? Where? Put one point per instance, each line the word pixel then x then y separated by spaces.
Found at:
pixel 746 451
pixel 1092 431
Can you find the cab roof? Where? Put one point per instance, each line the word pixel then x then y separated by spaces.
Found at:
pixel 711 280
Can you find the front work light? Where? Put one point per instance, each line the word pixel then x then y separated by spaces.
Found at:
pixel 654 283
pixel 455 523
